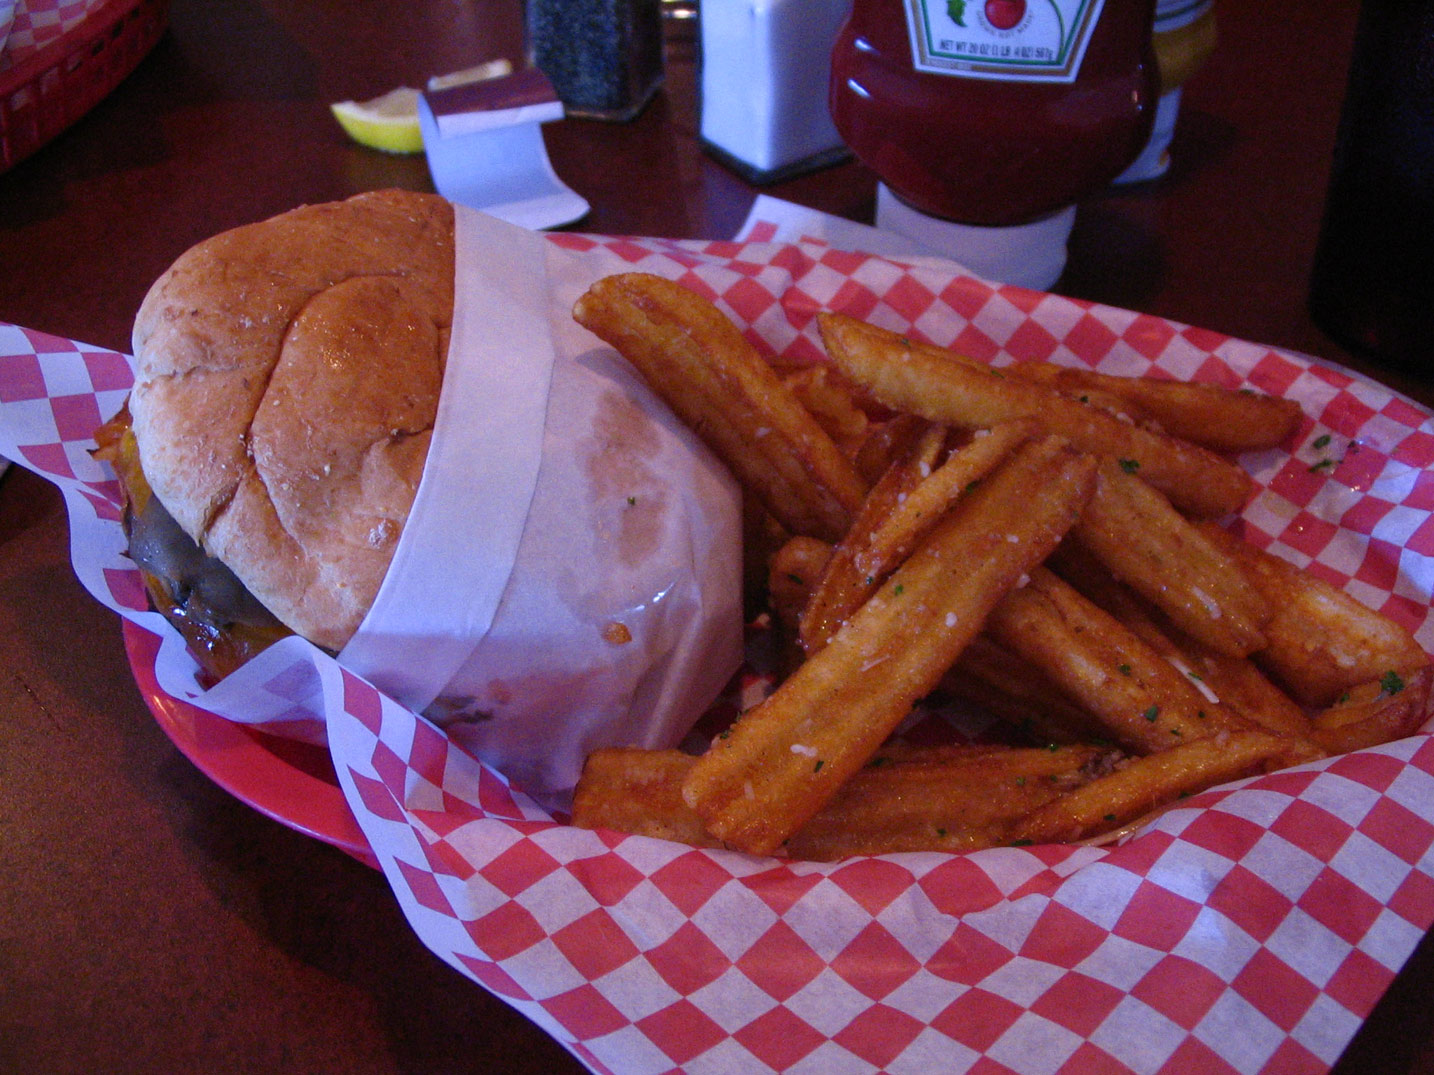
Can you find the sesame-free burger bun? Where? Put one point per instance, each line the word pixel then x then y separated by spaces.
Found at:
pixel 287 380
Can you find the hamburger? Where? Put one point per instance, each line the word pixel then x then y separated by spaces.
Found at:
pixel 287 382
pixel 374 424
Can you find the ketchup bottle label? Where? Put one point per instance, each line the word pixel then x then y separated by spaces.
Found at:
pixel 1018 40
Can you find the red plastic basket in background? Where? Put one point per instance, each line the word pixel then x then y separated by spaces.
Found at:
pixel 49 88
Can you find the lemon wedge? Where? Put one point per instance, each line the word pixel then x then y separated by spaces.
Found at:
pixel 388 122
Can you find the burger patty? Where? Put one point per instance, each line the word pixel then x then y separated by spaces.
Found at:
pixel 222 622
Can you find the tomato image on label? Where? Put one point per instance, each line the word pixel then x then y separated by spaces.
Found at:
pixel 1005 14
pixel 951 118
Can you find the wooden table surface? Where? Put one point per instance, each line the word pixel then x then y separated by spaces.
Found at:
pixel 151 923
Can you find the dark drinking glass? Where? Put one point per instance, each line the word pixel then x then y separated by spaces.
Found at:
pixel 1372 288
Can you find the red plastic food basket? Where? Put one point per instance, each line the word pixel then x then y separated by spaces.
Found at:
pixel 44 90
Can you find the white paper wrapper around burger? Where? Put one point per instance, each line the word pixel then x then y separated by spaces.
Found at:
pixel 569 576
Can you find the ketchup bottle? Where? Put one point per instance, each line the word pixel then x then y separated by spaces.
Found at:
pixel 987 120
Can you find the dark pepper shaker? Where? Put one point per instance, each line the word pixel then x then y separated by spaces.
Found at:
pixel 1372 288
pixel 604 57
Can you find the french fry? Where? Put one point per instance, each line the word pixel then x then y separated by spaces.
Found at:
pixel 885 443
pixel 793 572
pixel 920 379
pixel 1393 707
pixel 897 534
pixel 1133 529
pixel 956 802
pixel 713 378
pixel 786 757
pixel 638 792
pixel 900 751
pixel 907 799
pixel 829 399
pixel 1141 700
pixel 1221 419
pixel 1144 784
pixel 1226 420
pixel 1235 681
pixel 1321 642
pixel 1239 684
pixel 1119 407
pixel 1020 694
pixel 902 507
pixel 843 585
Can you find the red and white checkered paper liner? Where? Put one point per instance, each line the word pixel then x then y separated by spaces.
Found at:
pixel 37 23
pixel 1249 930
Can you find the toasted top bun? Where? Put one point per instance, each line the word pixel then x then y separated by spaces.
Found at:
pixel 287 382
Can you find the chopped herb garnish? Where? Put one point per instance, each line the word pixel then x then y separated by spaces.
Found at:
pixel 899 589
pixel 1123 669
pixel 818 766
pixel 1323 464
pixel 1130 466
pixel 1322 441
pixel 1151 713
pixel 631 501
pixel 1391 683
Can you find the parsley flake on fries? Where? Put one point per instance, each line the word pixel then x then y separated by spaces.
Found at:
pixel 1037 541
